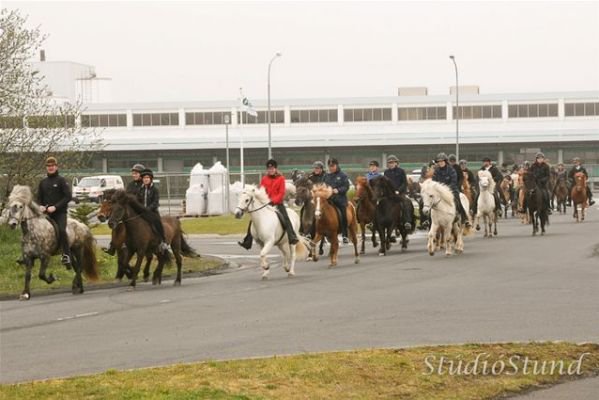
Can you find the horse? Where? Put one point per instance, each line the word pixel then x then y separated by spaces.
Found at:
pixel 505 194
pixel 535 204
pixel 40 241
pixel 579 196
pixel 365 203
pixel 486 203
pixel 303 198
pixel 140 238
pixel 561 193
pixel 446 229
pixel 328 224
pixel 521 199
pixel 268 231
pixel 553 175
pixel 466 188
pixel 393 211
pixel 174 235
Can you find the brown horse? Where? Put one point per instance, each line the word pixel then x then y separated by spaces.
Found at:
pixel 521 197
pixel 365 208
pixel 466 188
pixel 143 241
pixel 328 224
pixel 505 194
pixel 561 193
pixel 579 196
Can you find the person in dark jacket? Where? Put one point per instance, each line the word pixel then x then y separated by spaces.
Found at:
pixel 53 196
pixel 471 179
pixel 453 163
pixel 541 171
pixel 396 175
pixel 150 198
pixel 578 168
pixel 317 175
pixel 274 185
pixel 340 184
pixel 373 170
pixel 135 185
pixel 446 174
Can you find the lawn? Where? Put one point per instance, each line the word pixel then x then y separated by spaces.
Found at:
pixel 12 275
pixel 360 374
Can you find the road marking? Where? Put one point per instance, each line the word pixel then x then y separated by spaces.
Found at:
pixel 164 301
pixel 89 314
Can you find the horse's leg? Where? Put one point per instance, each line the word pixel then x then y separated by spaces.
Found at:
pixel 478 220
pixel 292 258
pixel 149 259
pixel 321 248
pixel 495 224
pixel 374 230
pixel 334 248
pixel 432 234
pixel 384 240
pixel 318 238
pixel 135 271
pixel 26 294
pixel 44 261
pixel 179 261
pixel 363 244
pixel 77 287
pixel 263 261
pixel 448 239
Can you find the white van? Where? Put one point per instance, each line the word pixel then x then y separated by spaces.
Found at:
pixel 92 188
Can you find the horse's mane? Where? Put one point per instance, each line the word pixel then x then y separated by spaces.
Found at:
pixel 121 196
pixel 322 190
pixel 22 194
pixel 385 183
pixel 443 190
pixel 259 193
pixel 487 174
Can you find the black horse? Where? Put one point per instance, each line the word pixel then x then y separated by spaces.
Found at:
pixel 303 197
pixel 535 204
pixel 392 211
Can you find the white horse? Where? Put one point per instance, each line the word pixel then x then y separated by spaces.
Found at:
pixel 446 228
pixel 268 231
pixel 486 203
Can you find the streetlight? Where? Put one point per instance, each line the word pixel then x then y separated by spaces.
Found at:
pixel 457 111
pixel 268 114
pixel 227 121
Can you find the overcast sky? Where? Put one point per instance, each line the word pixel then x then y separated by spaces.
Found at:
pixel 205 51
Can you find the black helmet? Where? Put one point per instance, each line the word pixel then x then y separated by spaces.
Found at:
pixel 318 164
pixel 441 156
pixel 333 161
pixel 373 162
pixel 487 159
pixel 463 162
pixel 138 167
pixel 147 172
pixel 540 155
pixel 453 158
pixel 272 163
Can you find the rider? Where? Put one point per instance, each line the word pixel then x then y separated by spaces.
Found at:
pixel 274 184
pixel 53 196
pixel 497 177
pixel 560 173
pixel 317 175
pixel 396 175
pixel 578 168
pixel 373 170
pixel 458 171
pixel 447 175
pixel 149 196
pixel 541 171
pixel 340 184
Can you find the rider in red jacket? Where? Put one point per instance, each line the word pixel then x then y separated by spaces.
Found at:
pixel 274 184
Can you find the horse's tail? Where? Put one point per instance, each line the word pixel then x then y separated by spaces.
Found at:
pixel 89 264
pixel 186 249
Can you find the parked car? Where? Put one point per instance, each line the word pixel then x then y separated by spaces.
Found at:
pixel 92 188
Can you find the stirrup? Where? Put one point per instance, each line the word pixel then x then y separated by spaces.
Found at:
pixel 66 261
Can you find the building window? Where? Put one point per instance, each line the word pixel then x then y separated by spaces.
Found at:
pixel 421 113
pixel 11 122
pixel 103 120
pixel 478 112
pixel 532 110
pixel 313 116
pixel 51 121
pixel 156 119
pixel 206 118
pixel 581 109
pixel 366 114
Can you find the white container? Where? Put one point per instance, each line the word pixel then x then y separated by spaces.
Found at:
pixel 196 200
pixel 216 202
pixel 234 193
pixel 199 176
pixel 217 176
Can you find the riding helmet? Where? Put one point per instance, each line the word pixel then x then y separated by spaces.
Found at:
pixel 576 159
pixel 540 155
pixel 333 161
pixel 452 158
pixel 374 162
pixel 147 172
pixel 487 159
pixel 441 156
pixel 318 164
pixel 463 162
pixel 272 163
pixel 51 161
pixel 392 158
pixel 138 167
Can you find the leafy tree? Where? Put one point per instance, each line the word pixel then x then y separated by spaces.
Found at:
pixel 33 125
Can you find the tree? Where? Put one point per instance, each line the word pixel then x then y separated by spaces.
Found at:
pixel 33 125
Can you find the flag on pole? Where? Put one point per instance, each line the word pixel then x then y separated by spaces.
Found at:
pixel 248 107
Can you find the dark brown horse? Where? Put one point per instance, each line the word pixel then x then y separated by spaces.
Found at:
pixel 535 204
pixel 303 197
pixel 328 224
pixel 119 239
pixel 561 193
pixel 143 241
pixel 579 196
pixel 365 203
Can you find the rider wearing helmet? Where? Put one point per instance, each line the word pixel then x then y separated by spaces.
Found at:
pixel 458 171
pixel 274 185
pixel 340 184
pixel 373 170
pixel 446 174
pixel 497 177
pixel 149 197
pixel 396 175
pixel 317 175
pixel 135 185
pixel 578 168
pixel 541 171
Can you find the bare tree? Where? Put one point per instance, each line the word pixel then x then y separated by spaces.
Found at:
pixel 33 125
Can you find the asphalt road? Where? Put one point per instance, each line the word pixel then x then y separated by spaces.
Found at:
pixel 510 288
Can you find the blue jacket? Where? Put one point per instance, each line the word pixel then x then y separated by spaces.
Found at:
pixel 447 176
pixel 372 175
pixel 338 181
pixel 397 176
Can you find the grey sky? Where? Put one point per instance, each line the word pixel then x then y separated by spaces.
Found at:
pixel 206 51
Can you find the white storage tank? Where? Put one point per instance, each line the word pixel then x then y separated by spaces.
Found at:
pixel 196 200
pixel 217 177
pixel 198 176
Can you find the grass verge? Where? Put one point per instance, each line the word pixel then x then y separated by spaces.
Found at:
pixel 12 275
pixel 364 374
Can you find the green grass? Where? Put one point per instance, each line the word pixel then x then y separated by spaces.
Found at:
pixel 12 275
pixel 363 374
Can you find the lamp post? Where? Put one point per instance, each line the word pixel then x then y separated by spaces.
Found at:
pixel 268 113
pixel 227 121
pixel 457 111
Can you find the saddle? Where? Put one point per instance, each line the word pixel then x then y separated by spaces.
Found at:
pixel 280 217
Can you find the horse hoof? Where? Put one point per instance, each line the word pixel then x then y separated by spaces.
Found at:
pixel 309 259
pixel 458 252
pixel 264 277
pixel 290 274
pixel 24 296
pixel 477 228
pixel 430 253
pixel 357 260
pixel 332 265
pixel 362 252
pixel 146 278
pixel 177 283
pixel 131 289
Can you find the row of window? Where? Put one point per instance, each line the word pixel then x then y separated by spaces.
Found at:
pixel 532 110
pixel 581 109
pixel 156 119
pixel 96 120
pixel 276 117
pixel 37 122
pixel 366 114
pixel 422 113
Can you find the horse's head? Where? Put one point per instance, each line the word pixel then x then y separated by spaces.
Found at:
pixel 106 206
pixel 381 186
pixel 303 191
pixel 118 208
pixel 484 180
pixel 248 197
pixel 20 206
pixel 428 195
pixel 580 179
pixel 361 188
pixel 296 175
pixel 320 192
